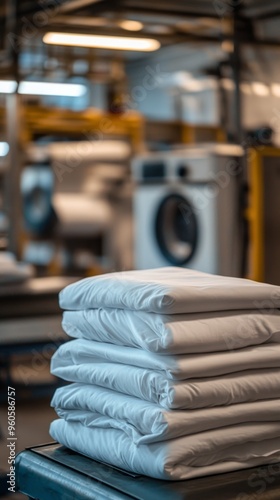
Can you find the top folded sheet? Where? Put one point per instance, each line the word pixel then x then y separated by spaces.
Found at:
pixel 169 290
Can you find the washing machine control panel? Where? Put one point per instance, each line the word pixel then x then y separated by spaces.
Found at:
pixel 160 170
pixel 153 170
pixel 198 164
pixel 173 169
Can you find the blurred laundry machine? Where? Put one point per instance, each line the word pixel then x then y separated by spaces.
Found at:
pixel 186 208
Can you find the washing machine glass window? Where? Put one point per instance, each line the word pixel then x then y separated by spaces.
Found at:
pixel 176 229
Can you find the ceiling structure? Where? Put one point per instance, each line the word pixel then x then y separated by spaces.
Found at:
pixel 229 23
pixel 169 21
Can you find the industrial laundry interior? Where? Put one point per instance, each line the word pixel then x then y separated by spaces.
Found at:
pixel 139 249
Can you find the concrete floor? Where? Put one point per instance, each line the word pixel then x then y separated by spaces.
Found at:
pixel 33 418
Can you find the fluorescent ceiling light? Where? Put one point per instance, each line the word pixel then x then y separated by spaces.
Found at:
pixel 131 25
pixel 50 88
pixel 4 148
pixel 7 86
pixel 260 89
pixel 275 89
pixel 102 42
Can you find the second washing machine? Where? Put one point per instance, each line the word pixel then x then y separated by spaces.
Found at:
pixel 186 209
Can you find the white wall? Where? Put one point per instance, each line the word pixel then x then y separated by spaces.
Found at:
pixel 149 93
pixel 203 107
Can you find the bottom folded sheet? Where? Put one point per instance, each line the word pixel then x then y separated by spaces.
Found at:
pixel 147 422
pixel 211 452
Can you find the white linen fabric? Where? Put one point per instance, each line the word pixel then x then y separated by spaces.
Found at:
pixel 175 373
pixel 146 422
pixel 250 385
pixel 177 367
pixel 169 290
pixel 210 452
pixel 174 334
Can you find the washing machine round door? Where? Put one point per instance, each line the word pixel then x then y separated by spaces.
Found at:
pixel 176 229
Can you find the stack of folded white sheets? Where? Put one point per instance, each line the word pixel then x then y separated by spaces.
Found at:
pixel 175 373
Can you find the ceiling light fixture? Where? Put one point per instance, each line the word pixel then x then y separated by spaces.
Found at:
pixel 8 86
pixel 130 25
pixel 260 89
pixel 101 41
pixel 51 88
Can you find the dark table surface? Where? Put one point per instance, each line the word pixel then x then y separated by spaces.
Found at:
pixel 34 297
pixel 55 472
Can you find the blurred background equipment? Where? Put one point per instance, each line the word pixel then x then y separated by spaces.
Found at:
pixel 12 271
pixel 88 178
pixel 186 209
pixel 37 191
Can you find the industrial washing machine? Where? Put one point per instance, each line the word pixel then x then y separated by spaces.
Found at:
pixel 186 209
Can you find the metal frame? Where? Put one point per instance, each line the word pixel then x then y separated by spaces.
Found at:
pixel 255 211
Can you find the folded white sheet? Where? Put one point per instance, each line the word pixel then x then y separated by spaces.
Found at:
pixel 169 290
pixel 174 334
pixel 250 385
pixel 220 450
pixel 177 367
pixel 146 422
